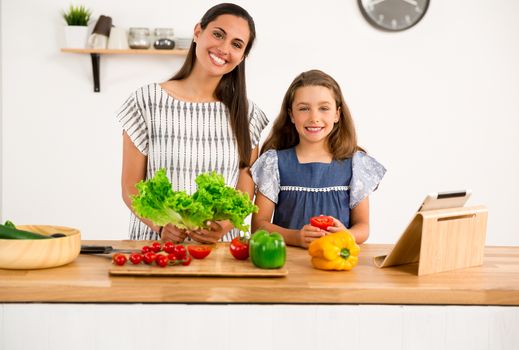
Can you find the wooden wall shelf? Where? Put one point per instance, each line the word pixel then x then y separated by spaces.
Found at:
pixel 127 52
pixel 95 54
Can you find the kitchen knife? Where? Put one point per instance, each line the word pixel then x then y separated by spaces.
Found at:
pixel 104 249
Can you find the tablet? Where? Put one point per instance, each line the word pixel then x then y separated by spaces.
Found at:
pixel 443 200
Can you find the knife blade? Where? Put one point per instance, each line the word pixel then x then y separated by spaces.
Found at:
pixel 104 249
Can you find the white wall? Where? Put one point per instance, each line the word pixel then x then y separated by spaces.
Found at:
pixel 435 104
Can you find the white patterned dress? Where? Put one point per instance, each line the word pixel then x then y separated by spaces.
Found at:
pixel 186 138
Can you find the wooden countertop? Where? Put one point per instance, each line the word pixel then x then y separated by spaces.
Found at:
pixel 87 280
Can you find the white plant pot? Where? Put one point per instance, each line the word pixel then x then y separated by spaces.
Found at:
pixel 76 37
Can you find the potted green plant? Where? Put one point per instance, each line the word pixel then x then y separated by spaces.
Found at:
pixel 76 30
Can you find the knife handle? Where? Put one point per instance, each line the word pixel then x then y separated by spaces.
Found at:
pixel 95 249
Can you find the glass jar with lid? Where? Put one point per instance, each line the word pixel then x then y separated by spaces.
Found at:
pixel 139 38
pixel 164 33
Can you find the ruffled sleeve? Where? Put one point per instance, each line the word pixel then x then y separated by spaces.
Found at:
pixel 366 175
pixel 131 118
pixel 265 174
pixel 257 122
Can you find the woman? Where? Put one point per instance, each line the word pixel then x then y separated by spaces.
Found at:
pixel 198 121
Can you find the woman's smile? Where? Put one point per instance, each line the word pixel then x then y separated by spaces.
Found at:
pixel 217 60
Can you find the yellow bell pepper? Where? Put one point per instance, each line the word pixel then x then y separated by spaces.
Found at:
pixel 336 251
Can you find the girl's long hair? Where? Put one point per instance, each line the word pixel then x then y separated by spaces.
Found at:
pixel 342 141
pixel 231 89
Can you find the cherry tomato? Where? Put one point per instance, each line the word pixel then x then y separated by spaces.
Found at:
pixel 172 259
pixel 187 260
pixel 199 251
pixel 136 258
pixel 161 260
pixel 145 249
pixel 119 259
pixel 240 248
pixel 168 247
pixel 156 247
pixel 180 251
pixel 149 257
pixel 321 221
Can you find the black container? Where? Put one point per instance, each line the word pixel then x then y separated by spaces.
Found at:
pixel 164 44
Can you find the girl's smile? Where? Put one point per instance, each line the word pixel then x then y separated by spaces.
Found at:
pixel 313 129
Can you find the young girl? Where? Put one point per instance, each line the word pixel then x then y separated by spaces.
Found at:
pixel 311 165
pixel 199 121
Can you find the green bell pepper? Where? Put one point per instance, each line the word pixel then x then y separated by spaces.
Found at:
pixel 267 250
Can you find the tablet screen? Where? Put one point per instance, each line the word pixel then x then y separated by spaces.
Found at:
pixel 443 200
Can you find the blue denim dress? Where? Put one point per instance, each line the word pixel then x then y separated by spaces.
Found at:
pixel 302 190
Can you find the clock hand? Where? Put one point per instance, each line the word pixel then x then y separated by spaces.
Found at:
pixel 411 2
pixel 375 2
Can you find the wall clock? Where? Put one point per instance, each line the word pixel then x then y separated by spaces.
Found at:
pixel 393 15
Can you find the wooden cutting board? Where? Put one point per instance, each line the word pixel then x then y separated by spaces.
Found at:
pixel 220 263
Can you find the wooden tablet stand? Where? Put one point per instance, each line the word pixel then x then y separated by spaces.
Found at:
pixel 441 240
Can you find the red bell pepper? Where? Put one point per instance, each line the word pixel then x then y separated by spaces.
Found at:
pixel 321 221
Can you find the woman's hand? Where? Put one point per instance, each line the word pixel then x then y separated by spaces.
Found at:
pixel 213 233
pixel 308 234
pixel 172 233
pixel 337 226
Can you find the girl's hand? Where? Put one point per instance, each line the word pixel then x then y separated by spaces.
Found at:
pixel 308 234
pixel 213 233
pixel 337 226
pixel 172 233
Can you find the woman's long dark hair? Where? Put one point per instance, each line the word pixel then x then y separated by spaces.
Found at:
pixel 231 89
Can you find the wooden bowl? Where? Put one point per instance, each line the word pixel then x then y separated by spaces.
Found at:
pixel 40 253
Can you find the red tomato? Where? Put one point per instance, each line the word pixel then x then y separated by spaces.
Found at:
pixel 321 221
pixel 172 259
pixel 145 249
pixel 161 260
pixel 136 258
pixel 180 251
pixel 240 248
pixel 187 260
pixel 156 247
pixel 149 257
pixel 119 259
pixel 199 251
pixel 168 247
